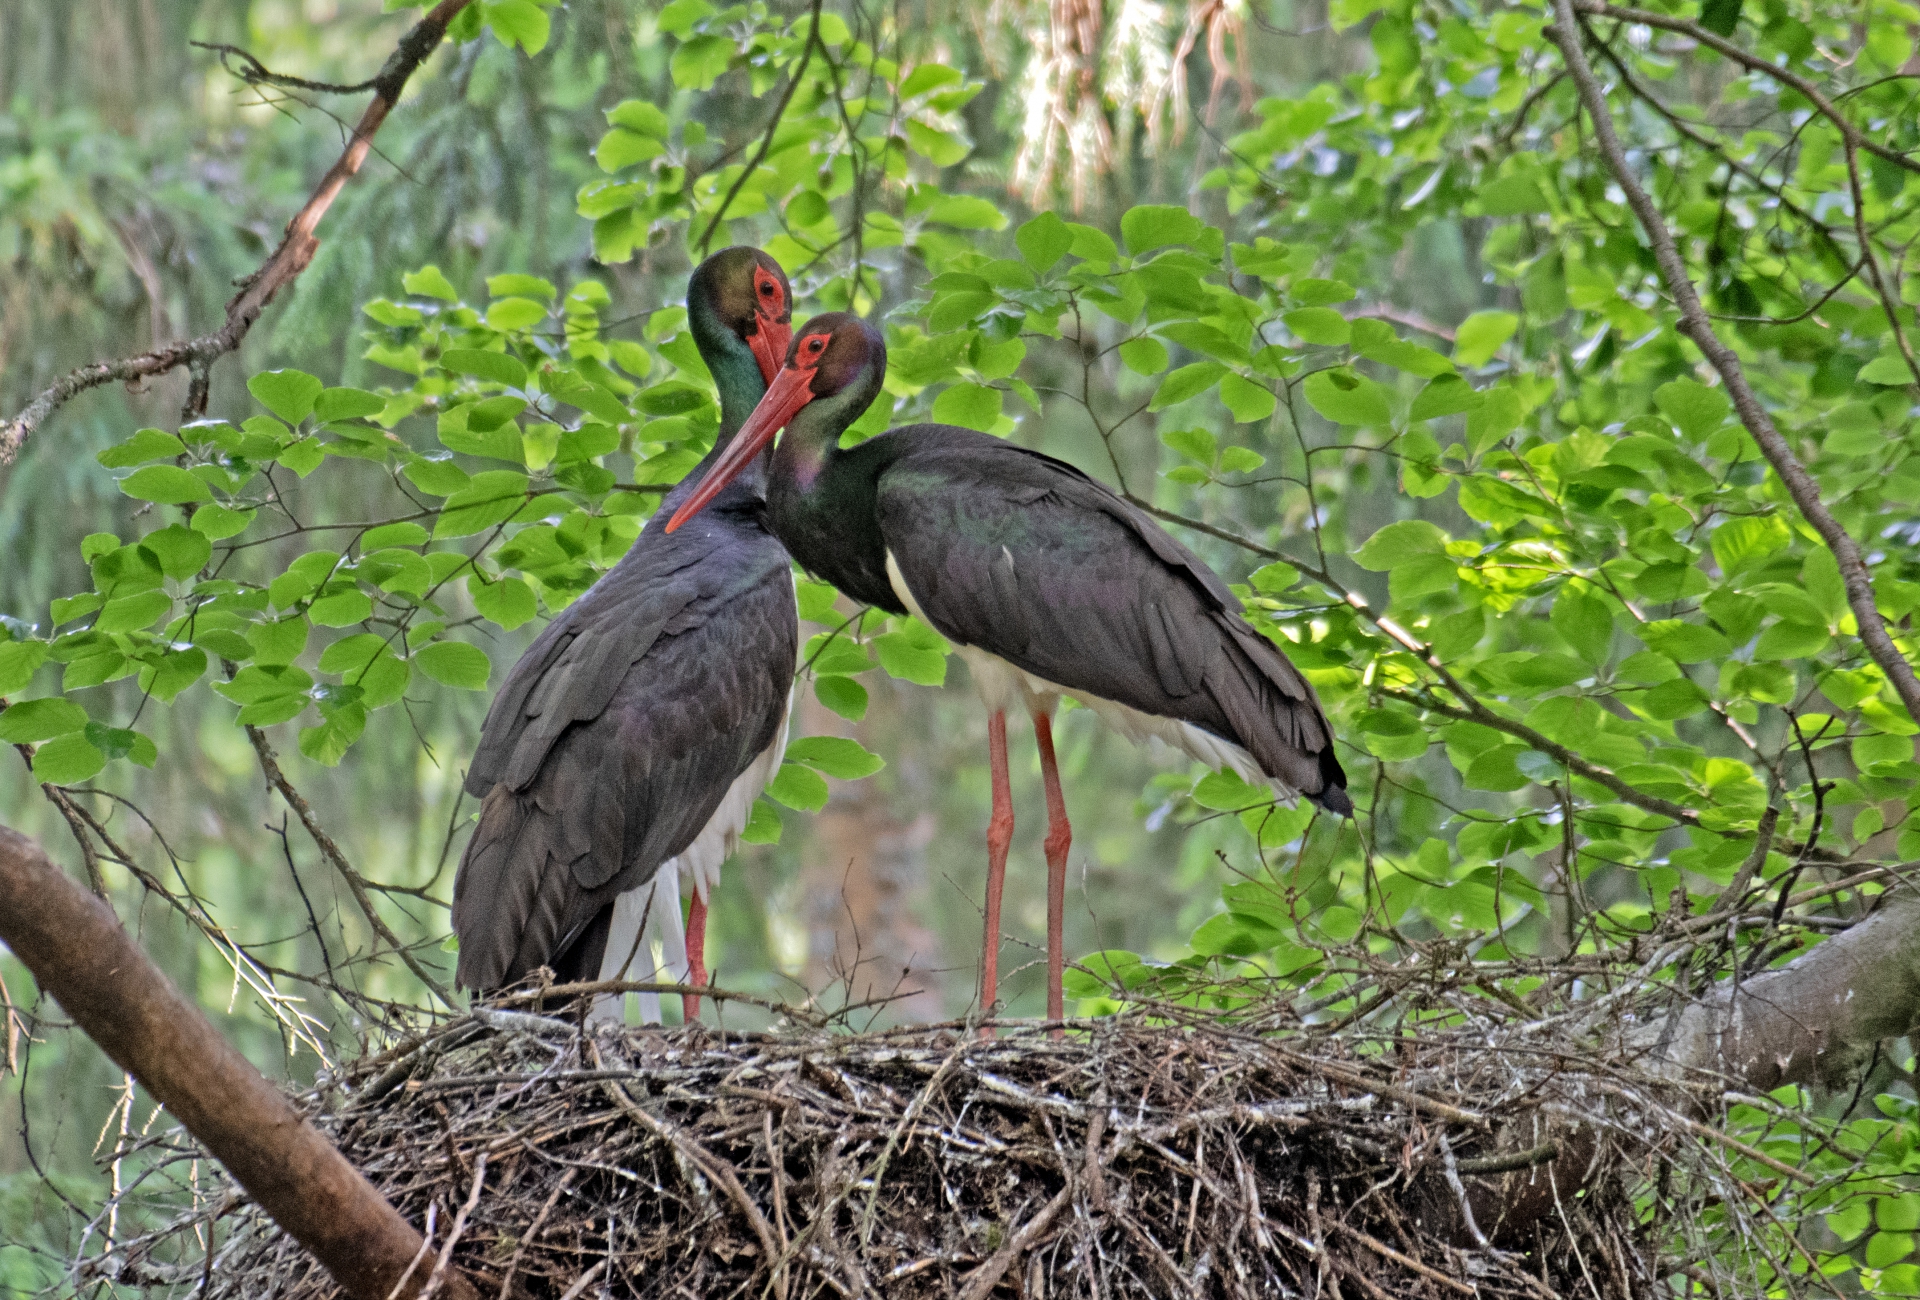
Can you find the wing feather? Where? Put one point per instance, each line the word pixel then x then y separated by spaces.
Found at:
pixel 610 749
pixel 1033 561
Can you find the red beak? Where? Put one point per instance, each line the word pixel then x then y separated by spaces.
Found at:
pixel 769 343
pixel 790 390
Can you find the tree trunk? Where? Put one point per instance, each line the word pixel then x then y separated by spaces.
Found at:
pixel 78 951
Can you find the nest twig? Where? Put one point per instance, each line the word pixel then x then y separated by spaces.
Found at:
pixel 1126 1159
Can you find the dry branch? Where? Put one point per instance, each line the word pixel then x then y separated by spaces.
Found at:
pixel 75 947
pixel 296 250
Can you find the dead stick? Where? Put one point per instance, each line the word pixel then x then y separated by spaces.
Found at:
pixel 296 250
pixel 982 1280
pixel 75 947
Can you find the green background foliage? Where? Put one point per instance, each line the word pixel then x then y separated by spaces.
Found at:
pixel 1382 342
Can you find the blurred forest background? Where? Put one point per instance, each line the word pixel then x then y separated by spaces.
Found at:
pixel 1452 390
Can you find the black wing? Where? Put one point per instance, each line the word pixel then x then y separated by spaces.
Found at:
pixel 615 738
pixel 1033 561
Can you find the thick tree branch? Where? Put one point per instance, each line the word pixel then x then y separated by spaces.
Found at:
pixel 78 951
pixel 1814 1019
pixel 1694 324
pixel 288 261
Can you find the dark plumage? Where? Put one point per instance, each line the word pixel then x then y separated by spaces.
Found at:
pixel 615 742
pixel 1048 582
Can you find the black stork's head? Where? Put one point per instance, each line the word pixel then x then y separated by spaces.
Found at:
pixel 740 296
pixel 834 370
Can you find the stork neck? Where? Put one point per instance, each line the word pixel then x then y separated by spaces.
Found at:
pixel 736 374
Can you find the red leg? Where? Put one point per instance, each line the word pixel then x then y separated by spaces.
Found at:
pixel 1059 840
pixel 696 956
pixel 999 838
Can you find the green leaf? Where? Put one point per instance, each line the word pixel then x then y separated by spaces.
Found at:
pixel 406 533
pixel 700 61
pixel 941 148
pixel 19 660
pixel 914 653
pixel 1790 641
pixel 1347 398
pixel 1322 325
pixel 289 394
pixel 798 787
pixel 132 613
pixel 174 673
pixel 491 498
pixel 508 314
pixel 843 695
pixel 1720 17
pixel 148 444
pixel 1092 244
pixel 1444 395
pixel 1498 415
pixel 635 115
pixel 519 22
pixel 972 406
pixel 329 742
pixel 1683 642
pixel 837 757
pixel 341 608
pixel 168 485
pixel 621 148
pixel 217 523
pixel 966 212
pixel 1398 543
pixel 32 721
pixel 67 760
pixel 930 76
pixel 497 366
pixel 1247 400
pixel 428 282
pixel 182 552
pixel 1743 542
pixel 1888 371
pixel 506 601
pixel 1320 293
pixel 280 641
pixel 1480 336
pixel 1186 383
pixel 763 824
pixel 1513 196
pixel 455 663
pixel 1144 355
pixel 1695 409
pixel 1152 225
pixel 1585 622
pixel 347 404
pixel 1043 241
pixel 1194 444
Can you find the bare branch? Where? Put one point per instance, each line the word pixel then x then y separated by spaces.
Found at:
pixel 282 269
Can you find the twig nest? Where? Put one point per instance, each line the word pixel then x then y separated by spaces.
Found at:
pixel 1125 1159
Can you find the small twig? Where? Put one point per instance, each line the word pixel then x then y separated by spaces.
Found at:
pixel 330 850
pixel 981 1282
pixel 459 1226
pixel 773 125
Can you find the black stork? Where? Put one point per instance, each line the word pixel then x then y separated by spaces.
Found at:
pixel 626 748
pixel 1046 581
